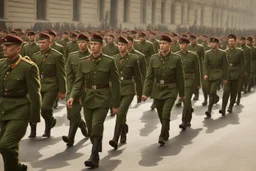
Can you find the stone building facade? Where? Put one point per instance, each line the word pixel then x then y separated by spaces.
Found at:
pixel 130 13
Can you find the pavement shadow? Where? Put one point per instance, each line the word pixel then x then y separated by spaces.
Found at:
pixel 153 154
pixel 109 163
pixel 150 120
pixel 60 160
pixel 221 122
pixel 30 148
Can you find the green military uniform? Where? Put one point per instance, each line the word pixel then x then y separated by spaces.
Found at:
pixel 142 62
pixel 64 42
pixel 71 47
pixel 215 67
pixel 206 46
pixel 191 69
pixel 236 64
pixel 19 104
pixel 156 45
pixel 58 47
pixel 147 48
pixel 163 82
pixel 223 45
pixel 74 115
pixel 175 47
pixel 253 66
pixel 243 82
pixel 110 49
pixel 29 49
pixel 53 81
pixel 1 55
pixel 129 71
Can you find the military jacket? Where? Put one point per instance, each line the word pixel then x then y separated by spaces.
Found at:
pixel 110 49
pixel 20 97
pixel 253 58
pixel 94 73
pixel 71 47
pixel 191 68
pixel 156 45
pixel 147 48
pixel 72 67
pixel 1 55
pixel 248 58
pixel 29 49
pixel 64 42
pixel 236 63
pixel 51 67
pixel 199 49
pixel 58 47
pixel 129 72
pixel 206 46
pixel 175 47
pixel 165 77
pixel 142 62
pixel 215 65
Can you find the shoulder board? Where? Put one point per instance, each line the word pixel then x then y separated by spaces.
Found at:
pixel 54 50
pixel 27 60
pixel 73 52
pixel 58 44
pixel 192 52
pixel 37 52
pixel 83 58
pixel 2 59
pixel 108 57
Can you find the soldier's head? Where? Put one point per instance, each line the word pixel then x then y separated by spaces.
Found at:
pixel 165 43
pixel 3 33
pixel 73 37
pixel 183 42
pixel 142 37
pixel 231 40
pixel 130 42
pixel 53 35
pixel 174 37
pixel 205 38
pixel 214 43
pixel 152 35
pixel 83 41
pixel 242 41
pixel 44 41
pixel 249 41
pixel 65 34
pixel 11 46
pixel 123 44
pixel 133 34
pixel 96 43
pixel 31 36
pixel 110 38
pixel 192 39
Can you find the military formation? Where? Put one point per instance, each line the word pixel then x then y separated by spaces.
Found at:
pixel 103 71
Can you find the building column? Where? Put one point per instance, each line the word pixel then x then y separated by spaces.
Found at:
pixel 177 13
pixel 207 16
pixel 185 14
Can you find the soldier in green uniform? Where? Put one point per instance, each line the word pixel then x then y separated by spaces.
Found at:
pixel 32 47
pixel 243 82
pixel 74 115
pixel 215 70
pixel 249 42
pixel 51 66
pixel 192 77
pixel 111 48
pixel 152 38
pixel 175 45
pixel 95 72
pixel 20 101
pixel 236 64
pixel 129 71
pixel 65 39
pixel 224 43
pixel 164 80
pixel 71 46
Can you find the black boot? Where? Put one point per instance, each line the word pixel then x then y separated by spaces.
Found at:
pixel 238 98
pixel 70 139
pixel 114 141
pixel 230 108
pixel 205 99
pixel 164 128
pixel 125 130
pixel 48 126
pixel 93 161
pixel 209 111
pixel 33 130
pixel 56 103
pixel 217 99
pixel 223 108
pixel 23 167
pixel 153 106
pixel 179 103
pixel 83 128
pixel 196 97
pixel 183 125
pixel 188 123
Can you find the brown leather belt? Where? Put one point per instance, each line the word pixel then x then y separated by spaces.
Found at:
pixel 13 97
pixel 95 87
pixel 165 81
pixel 48 75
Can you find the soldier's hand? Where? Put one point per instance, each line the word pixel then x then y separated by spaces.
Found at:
pixel 246 73
pixel 70 102
pixel 115 110
pixel 206 77
pixel 182 98
pixel 225 82
pixel 144 98
pixel 62 96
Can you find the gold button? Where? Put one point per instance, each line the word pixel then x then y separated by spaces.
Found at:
pixel 6 89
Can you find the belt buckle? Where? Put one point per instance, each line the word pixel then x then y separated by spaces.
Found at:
pixel 161 81
pixel 231 64
pixel 122 78
pixel 94 87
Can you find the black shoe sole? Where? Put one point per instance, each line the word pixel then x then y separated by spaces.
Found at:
pixel 162 143
pixel 113 144
pixel 208 114
pixel 91 164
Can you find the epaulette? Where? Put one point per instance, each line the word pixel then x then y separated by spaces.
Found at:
pixel 194 53
pixel 27 59
pixel 73 52
pixel 109 57
pixel 37 52
pixel 83 58
pixel 54 50
pixel 2 59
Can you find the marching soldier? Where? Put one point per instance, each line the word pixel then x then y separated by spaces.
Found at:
pixel 249 42
pixel 74 115
pixel 215 70
pixel 243 82
pixel 71 46
pixel 51 66
pixel 155 42
pixel 192 77
pixel 129 71
pixel 236 64
pixel 95 72
pixel 165 77
pixel 20 101
pixel 111 48
pixel 65 39
pixel 32 47
pixel 175 44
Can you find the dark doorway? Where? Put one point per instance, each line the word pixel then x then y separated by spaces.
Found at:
pixel 113 13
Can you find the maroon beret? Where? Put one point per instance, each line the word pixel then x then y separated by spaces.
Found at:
pixel 73 34
pixel 232 36
pixel 97 38
pixel 82 37
pixel 133 32
pixel 165 38
pixel 214 40
pixel 142 34
pixel 122 39
pixel 65 32
pixel 184 40
pixel 249 38
pixel 11 39
pixel 52 33
pixel 31 33
pixel 130 38
pixel 43 36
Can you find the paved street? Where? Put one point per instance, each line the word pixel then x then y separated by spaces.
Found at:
pixel 216 144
